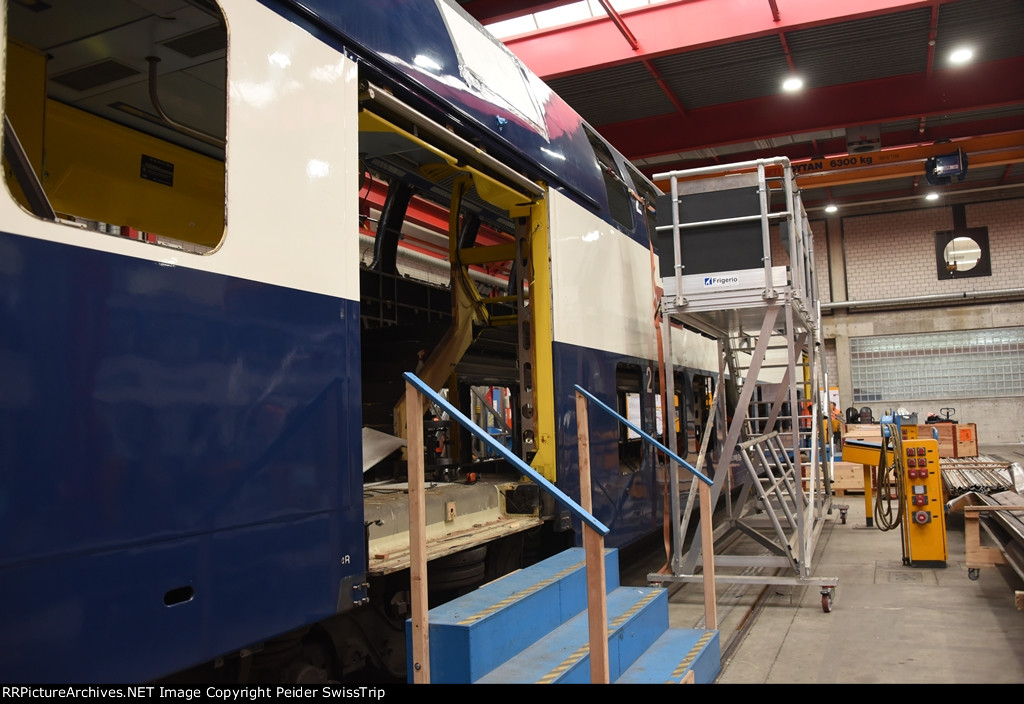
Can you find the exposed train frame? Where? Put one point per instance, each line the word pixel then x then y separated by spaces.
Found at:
pixel 228 228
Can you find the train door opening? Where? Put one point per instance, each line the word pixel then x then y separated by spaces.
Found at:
pixel 703 410
pixel 628 397
pixel 441 275
pixel 447 291
pixel 682 404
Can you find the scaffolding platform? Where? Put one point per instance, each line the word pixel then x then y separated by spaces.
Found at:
pixel 737 264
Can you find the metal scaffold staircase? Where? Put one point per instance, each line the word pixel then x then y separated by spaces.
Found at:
pixel 737 263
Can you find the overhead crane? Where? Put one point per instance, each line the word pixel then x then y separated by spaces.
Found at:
pixel 899 162
pixel 1006 148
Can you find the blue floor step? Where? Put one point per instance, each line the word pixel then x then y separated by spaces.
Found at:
pixel 676 652
pixel 531 627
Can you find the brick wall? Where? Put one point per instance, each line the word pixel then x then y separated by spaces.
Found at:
pixel 891 256
pixel 1005 222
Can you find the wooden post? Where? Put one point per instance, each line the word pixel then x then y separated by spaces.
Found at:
pixel 978 555
pixel 417 538
pixel 593 545
pixel 707 547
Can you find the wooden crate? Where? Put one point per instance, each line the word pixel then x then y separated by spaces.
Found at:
pixel 947 436
pixel 870 432
pixel 848 476
pixel 966 440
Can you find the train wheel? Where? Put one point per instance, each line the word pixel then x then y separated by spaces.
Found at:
pixel 459 571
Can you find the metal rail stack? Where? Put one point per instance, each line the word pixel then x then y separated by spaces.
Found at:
pixel 723 278
pixel 981 474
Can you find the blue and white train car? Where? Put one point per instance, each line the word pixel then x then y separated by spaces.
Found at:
pixel 215 235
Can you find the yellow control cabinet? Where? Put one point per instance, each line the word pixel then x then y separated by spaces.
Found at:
pixel 924 519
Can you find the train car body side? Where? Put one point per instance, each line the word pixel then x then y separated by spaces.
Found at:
pixel 177 428
pixel 198 334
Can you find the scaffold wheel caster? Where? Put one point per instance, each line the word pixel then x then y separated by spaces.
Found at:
pixel 842 515
pixel 827 595
pixel 973 573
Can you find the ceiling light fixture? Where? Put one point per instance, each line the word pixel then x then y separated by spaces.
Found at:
pixel 793 84
pixel 932 196
pixel 961 55
pixel 831 208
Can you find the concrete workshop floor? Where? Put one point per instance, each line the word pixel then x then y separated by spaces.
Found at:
pixel 889 623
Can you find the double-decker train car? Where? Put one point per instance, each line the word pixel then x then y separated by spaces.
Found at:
pixel 227 228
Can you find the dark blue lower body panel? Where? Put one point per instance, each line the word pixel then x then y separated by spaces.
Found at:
pixel 180 463
pixel 629 489
pixel 628 496
pixel 109 620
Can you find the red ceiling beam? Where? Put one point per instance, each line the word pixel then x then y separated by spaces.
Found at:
pixel 671 27
pixel 830 107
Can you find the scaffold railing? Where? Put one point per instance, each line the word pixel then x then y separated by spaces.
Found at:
pixel 737 263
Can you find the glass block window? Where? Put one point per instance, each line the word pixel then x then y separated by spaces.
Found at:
pixel 956 364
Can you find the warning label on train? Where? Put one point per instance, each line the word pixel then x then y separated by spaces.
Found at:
pixel 157 170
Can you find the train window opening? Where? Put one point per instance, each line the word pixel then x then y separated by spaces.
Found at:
pixel 659 417
pixel 652 417
pixel 683 412
pixel 646 196
pixel 122 116
pixel 629 405
pixel 620 202
pixel 962 252
pixel 488 65
pixel 703 395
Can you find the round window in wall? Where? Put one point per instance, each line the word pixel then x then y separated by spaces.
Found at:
pixel 961 254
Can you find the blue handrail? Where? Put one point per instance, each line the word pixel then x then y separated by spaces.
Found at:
pixel 676 458
pixel 517 462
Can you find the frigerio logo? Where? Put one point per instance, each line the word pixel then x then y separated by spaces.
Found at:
pixel 712 281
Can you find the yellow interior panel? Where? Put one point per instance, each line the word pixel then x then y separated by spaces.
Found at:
pixel 489 189
pixel 101 171
pixel 25 106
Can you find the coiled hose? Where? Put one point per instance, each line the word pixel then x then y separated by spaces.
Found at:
pixel 888 481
